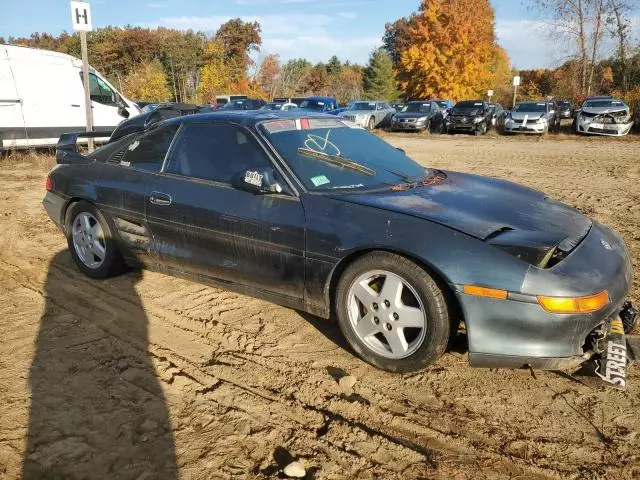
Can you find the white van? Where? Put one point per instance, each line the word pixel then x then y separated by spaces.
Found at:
pixel 42 97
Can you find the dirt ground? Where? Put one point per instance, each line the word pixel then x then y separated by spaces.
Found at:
pixel 146 376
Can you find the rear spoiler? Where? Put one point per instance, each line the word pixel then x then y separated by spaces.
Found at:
pixel 67 148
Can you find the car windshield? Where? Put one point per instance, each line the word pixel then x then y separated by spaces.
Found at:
pixel 604 104
pixel 418 108
pixel 363 106
pixel 468 108
pixel 537 107
pixel 327 154
pixel 315 105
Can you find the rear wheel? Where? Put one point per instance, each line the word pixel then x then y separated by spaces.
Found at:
pixel 91 242
pixel 392 312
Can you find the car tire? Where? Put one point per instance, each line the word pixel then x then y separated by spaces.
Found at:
pixel 481 129
pixel 421 345
pixel 371 124
pixel 427 127
pixel 91 241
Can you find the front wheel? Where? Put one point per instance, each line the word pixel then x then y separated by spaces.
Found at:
pixel 372 124
pixel 91 242
pixel 392 312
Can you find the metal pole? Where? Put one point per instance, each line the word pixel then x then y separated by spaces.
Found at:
pixel 515 93
pixel 87 93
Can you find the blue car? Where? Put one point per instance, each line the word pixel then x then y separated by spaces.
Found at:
pixel 320 104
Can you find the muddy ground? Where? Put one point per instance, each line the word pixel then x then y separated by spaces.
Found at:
pixel 146 376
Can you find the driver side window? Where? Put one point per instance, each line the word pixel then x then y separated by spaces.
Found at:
pixel 101 92
pixel 215 151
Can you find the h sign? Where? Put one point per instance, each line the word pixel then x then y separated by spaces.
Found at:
pixel 81 16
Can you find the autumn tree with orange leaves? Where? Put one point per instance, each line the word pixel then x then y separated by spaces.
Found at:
pixel 447 50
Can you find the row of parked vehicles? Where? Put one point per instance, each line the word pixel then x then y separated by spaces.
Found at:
pixel 31 116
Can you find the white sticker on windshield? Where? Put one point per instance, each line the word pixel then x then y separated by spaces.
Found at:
pixel 134 145
pixel 477 104
pixel 320 180
pixel 253 178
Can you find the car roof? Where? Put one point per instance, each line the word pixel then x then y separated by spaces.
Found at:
pixel 248 118
pixel 319 98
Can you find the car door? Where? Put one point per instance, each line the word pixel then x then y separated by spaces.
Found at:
pixel 202 225
pixel 121 186
pixel 12 131
pixel 105 104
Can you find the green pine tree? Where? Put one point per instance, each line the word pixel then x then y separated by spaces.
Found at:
pixel 379 80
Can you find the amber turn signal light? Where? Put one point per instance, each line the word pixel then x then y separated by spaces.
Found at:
pixel 485 292
pixel 588 304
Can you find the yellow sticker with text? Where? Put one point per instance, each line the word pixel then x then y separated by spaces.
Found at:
pixel 616 326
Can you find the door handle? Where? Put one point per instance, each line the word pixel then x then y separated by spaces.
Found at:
pixel 159 198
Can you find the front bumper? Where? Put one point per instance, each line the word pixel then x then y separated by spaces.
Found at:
pixel 460 127
pixel 607 129
pixel 411 126
pixel 509 333
pixel 533 127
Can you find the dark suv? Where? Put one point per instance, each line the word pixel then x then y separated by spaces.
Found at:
pixel 473 116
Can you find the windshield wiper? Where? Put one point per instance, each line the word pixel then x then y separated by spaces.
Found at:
pixel 338 160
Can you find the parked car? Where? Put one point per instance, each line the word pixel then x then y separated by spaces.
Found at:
pixel 419 116
pixel 42 97
pixel 320 104
pixel 369 114
pixel 445 104
pixel 150 117
pixel 473 116
pixel 603 116
pixel 497 115
pixel 531 117
pixel 555 120
pixel 566 108
pixel 296 100
pixel 222 100
pixel 279 106
pixel 341 224
pixel 244 104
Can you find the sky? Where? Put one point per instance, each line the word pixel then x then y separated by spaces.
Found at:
pixel 314 29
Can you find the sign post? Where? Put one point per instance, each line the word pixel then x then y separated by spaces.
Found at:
pixel 516 84
pixel 490 94
pixel 81 21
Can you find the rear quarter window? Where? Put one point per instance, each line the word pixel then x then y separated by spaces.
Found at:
pixel 149 151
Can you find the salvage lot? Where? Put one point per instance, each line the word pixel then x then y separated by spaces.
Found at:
pixel 141 375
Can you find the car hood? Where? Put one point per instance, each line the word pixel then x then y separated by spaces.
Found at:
pixel 603 110
pixel 358 112
pixel 412 114
pixel 531 115
pixel 485 208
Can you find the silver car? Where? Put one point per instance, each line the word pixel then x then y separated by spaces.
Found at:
pixel 369 114
pixel 604 116
pixel 531 117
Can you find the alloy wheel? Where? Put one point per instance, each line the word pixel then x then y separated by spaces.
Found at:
pixel 386 314
pixel 88 240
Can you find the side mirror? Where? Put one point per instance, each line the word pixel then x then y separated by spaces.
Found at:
pixel 122 108
pixel 260 181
